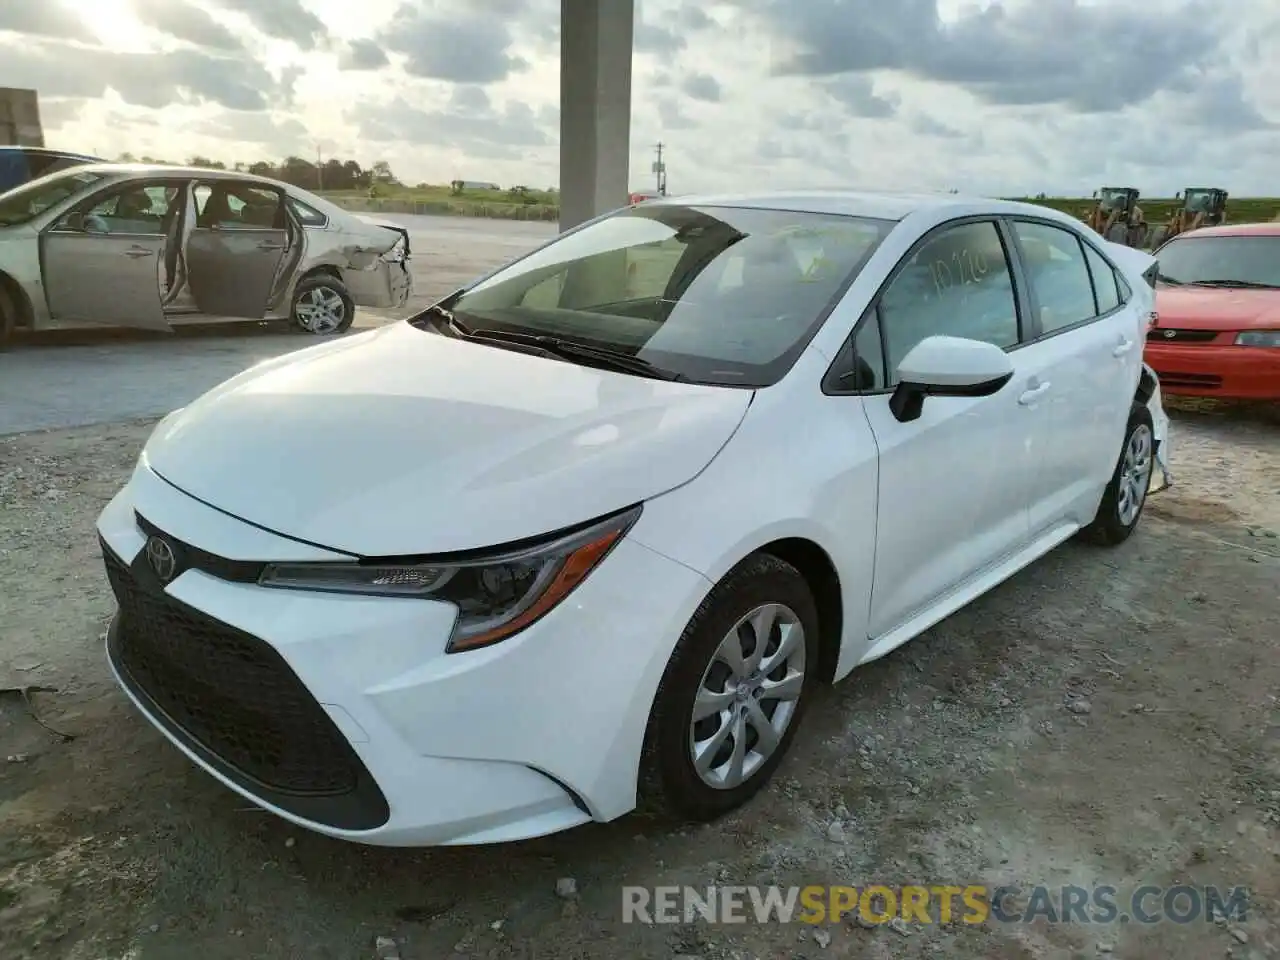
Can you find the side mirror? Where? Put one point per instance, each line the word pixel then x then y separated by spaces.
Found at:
pixel 948 367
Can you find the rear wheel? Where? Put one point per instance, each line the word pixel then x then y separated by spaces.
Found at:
pixel 733 693
pixel 322 306
pixel 1126 494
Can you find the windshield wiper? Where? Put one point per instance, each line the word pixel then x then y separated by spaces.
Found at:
pixel 568 350
pixel 1162 278
pixel 1240 284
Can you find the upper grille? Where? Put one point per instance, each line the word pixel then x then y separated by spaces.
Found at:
pixel 1171 335
pixel 230 692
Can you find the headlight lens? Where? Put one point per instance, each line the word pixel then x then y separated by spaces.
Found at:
pixel 497 594
pixel 1259 338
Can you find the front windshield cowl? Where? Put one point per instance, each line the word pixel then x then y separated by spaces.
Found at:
pixel 718 295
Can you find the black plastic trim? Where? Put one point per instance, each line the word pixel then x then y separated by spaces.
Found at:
pixel 193 558
pixel 364 807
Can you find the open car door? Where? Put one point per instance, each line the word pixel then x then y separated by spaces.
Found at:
pixel 103 262
pixel 236 249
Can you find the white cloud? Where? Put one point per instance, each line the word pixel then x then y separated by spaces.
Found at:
pixel 1024 96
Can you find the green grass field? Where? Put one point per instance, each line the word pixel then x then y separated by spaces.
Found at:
pixel 544 205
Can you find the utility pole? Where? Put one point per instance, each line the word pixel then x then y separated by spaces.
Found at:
pixel 660 172
pixel 319 170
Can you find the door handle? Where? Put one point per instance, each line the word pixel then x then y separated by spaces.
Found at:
pixel 1034 394
pixel 270 246
pixel 1124 347
pixel 134 253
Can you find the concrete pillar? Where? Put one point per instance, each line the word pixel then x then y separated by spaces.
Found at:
pixel 595 107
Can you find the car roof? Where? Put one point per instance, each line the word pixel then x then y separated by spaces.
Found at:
pixel 1262 229
pixel 170 170
pixel 858 203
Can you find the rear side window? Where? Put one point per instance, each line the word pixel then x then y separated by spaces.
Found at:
pixel 1105 281
pixel 1061 285
pixel 307 216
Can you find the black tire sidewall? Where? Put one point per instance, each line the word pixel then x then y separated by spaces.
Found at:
pixel 8 319
pixel 670 783
pixel 329 283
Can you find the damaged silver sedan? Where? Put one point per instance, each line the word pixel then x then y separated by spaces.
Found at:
pixel 154 246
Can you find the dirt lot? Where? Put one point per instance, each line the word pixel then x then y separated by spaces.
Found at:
pixel 955 760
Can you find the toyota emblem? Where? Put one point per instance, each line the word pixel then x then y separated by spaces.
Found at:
pixel 162 558
pixel 1170 334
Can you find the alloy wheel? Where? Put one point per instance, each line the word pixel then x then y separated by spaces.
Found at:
pixel 1135 474
pixel 320 310
pixel 747 696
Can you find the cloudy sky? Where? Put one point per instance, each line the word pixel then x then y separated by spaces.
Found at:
pixel 1004 97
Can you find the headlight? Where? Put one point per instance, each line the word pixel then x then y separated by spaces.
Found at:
pixel 397 254
pixel 1258 338
pixel 497 593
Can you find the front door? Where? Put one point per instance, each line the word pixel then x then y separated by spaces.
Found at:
pixel 235 252
pixel 105 261
pixel 954 483
pixel 1089 343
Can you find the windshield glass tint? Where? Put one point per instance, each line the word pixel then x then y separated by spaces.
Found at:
pixel 717 295
pixel 32 199
pixel 1232 259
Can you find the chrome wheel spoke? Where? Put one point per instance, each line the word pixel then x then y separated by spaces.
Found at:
pixel 767 738
pixel 709 703
pixel 706 751
pixel 788 688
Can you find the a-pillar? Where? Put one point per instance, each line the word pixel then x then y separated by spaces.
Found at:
pixel 595 107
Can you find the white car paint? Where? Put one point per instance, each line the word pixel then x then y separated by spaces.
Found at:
pixel 403 442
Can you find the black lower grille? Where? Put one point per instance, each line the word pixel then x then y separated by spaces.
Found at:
pixel 232 697
pixel 1208 381
pixel 1171 335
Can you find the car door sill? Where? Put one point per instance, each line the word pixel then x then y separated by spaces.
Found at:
pixel 968 591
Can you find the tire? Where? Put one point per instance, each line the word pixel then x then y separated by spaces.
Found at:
pixel 1117 515
pixel 8 319
pixel 319 291
pixel 670 783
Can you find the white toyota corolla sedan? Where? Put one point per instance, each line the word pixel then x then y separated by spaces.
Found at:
pixel 589 533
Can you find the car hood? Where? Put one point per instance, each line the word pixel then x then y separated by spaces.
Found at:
pixel 1218 308
pixel 400 441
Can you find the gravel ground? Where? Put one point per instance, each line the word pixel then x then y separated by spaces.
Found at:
pixel 1103 717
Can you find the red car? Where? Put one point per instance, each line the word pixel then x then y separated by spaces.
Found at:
pixel 1217 330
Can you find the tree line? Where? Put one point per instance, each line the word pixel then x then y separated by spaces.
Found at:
pixel 332 174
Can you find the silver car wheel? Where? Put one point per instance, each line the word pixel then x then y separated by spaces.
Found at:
pixel 1135 474
pixel 320 310
pixel 747 696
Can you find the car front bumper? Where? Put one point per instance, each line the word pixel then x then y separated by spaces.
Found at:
pixel 1222 370
pixel 344 715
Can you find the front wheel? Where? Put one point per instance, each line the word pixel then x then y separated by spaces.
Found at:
pixel 322 306
pixel 8 319
pixel 1126 494
pixel 733 692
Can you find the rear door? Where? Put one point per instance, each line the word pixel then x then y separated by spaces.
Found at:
pixel 104 261
pixel 236 249
pixel 1087 338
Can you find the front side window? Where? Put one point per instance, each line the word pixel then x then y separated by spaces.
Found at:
pixel 717 295
pixel 958 284
pixel 140 208
pixel 1221 261
pixel 25 203
pixel 1059 277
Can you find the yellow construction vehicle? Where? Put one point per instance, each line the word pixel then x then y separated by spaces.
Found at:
pixel 1117 216
pixel 1201 207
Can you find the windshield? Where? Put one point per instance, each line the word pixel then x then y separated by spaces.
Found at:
pixel 28 201
pixel 1254 261
pixel 716 295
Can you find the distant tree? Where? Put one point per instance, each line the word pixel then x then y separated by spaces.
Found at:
pixel 199 161
pixel 126 158
pixel 261 168
pixel 381 171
